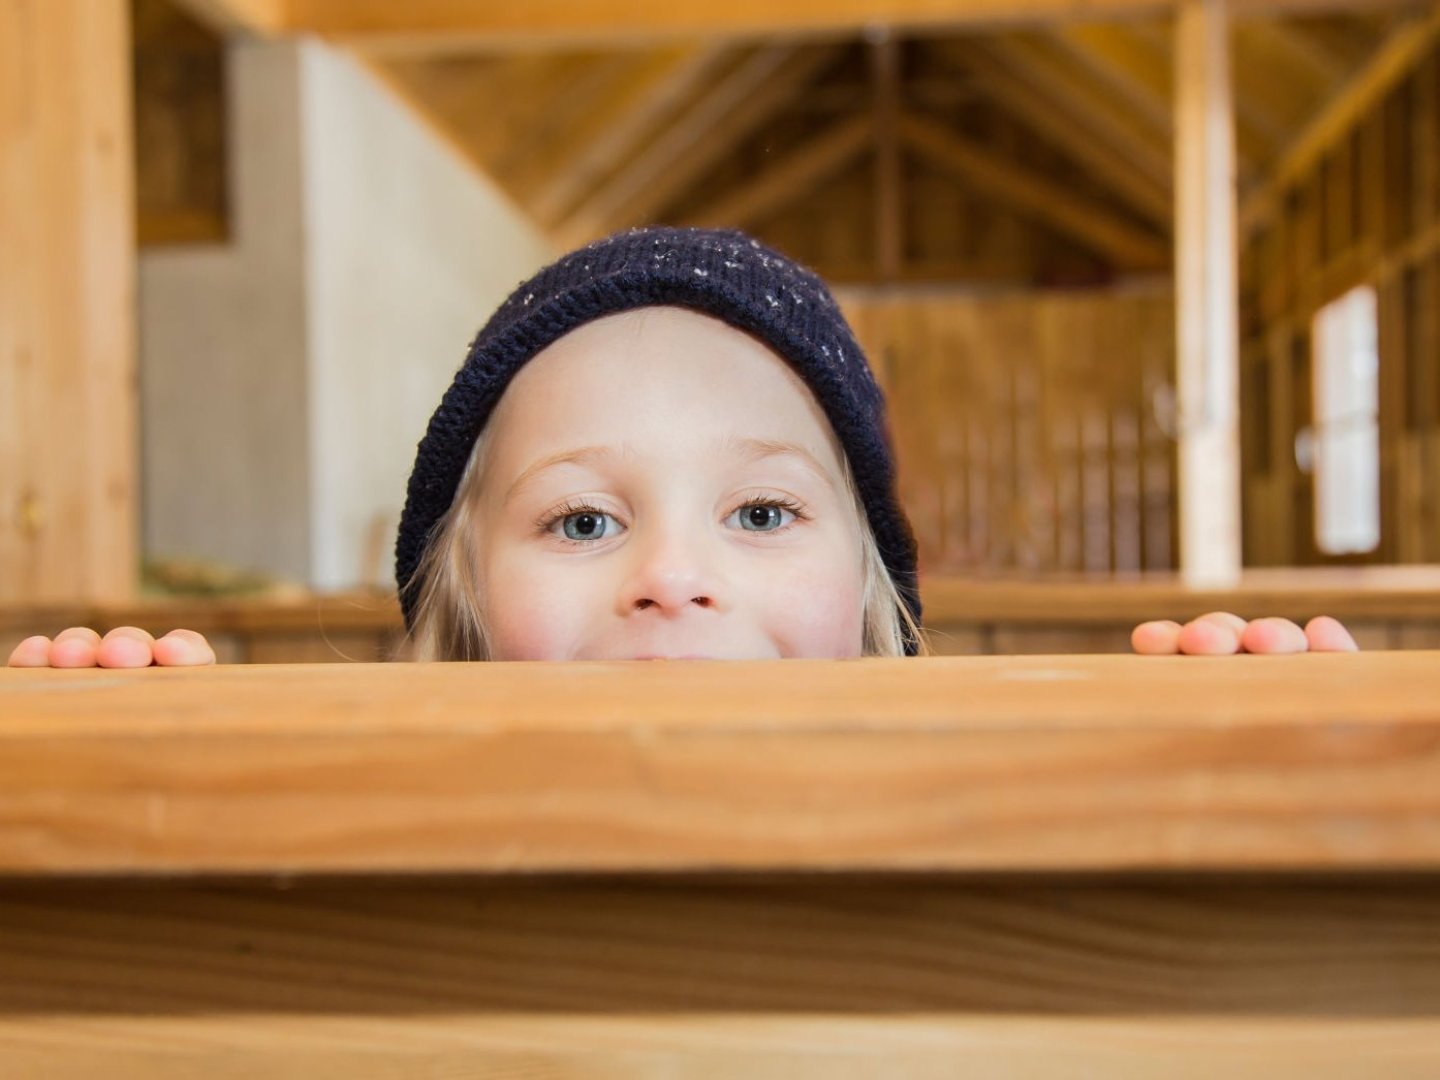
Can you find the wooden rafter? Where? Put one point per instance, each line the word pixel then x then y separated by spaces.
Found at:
pixel 1321 69
pixel 1367 86
pixel 889 182
pixel 1037 196
pixel 1255 131
pixel 1143 146
pixel 654 87
pixel 448 24
pixel 753 91
pixel 1065 128
pixel 1125 63
pixel 800 171
pixel 262 18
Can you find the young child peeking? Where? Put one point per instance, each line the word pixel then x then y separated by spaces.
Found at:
pixel 666 445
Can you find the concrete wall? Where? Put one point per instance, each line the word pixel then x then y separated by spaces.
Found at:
pixel 287 376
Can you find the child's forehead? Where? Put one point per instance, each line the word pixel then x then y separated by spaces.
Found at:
pixel 670 320
pixel 660 375
pixel 658 343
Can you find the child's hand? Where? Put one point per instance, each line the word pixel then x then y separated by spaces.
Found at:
pixel 123 647
pixel 1221 634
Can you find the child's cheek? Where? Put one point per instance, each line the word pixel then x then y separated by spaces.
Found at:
pixel 532 626
pixel 818 614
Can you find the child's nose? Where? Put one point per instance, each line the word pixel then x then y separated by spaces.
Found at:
pixel 670 574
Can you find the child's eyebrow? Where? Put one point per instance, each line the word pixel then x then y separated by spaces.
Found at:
pixel 751 450
pixel 759 449
pixel 583 455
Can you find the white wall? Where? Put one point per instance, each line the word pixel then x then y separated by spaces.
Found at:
pixel 287 376
pixel 224 448
pixel 410 251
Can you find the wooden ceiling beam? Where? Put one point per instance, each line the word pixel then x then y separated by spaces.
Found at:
pixel 1036 196
pixel 428 25
pixel 259 18
pixel 1125 63
pixel 1366 87
pixel 799 172
pixel 657 85
pixel 1066 129
pixel 885 81
pixel 1143 146
pixel 756 88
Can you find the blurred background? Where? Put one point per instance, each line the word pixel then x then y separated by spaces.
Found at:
pixel 244 243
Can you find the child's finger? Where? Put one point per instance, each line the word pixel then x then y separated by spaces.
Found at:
pixel 32 652
pixel 126 647
pixel 1274 636
pixel 1159 638
pixel 183 648
pixel 1214 634
pixel 74 647
pixel 1329 635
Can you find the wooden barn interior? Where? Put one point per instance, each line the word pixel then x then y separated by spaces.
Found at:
pixel 1153 288
pixel 1006 203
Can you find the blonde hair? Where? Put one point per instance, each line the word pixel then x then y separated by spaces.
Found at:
pixel 449 624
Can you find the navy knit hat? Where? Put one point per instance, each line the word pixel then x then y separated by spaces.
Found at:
pixel 721 273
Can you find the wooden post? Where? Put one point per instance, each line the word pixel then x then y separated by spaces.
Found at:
pixel 67 319
pixel 1206 320
pixel 889 194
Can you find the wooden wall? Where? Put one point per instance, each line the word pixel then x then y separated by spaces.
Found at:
pixel 1029 426
pixel 1367 212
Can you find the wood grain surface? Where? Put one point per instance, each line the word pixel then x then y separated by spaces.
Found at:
pixel 809 977
pixel 1042 764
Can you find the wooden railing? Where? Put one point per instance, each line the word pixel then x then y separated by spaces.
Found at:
pixel 1385 607
pixel 964 764
pixel 1118 866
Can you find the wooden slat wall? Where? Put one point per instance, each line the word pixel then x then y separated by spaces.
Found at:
pixel 1030 428
pixel 1367 213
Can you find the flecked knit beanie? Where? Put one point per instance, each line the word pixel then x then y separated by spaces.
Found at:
pixel 725 274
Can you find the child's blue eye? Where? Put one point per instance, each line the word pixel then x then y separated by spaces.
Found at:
pixel 587 525
pixel 763 517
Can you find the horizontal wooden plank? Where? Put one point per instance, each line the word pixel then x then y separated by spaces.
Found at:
pixel 1399 593
pixel 795 979
pixel 971 764
pixel 422 25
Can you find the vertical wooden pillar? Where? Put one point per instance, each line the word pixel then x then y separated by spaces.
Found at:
pixel 67 312
pixel 889 184
pixel 1206 297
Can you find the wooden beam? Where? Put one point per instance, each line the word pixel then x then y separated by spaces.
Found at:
pixel 1038 197
pixel 260 18
pixel 1125 63
pixel 799 172
pixel 738 103
pixel 656 86
pixel 1395 59
pixel 68 408
pixel 1207 352
pixel 885 79
pixel 1059 122
pixel 1142 144
pixel 966 764
pixel 426 25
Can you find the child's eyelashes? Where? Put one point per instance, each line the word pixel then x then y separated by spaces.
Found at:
pixel 766 515
pixel 582 523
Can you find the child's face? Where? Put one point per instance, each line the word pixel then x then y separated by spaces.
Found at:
pixel 660 484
